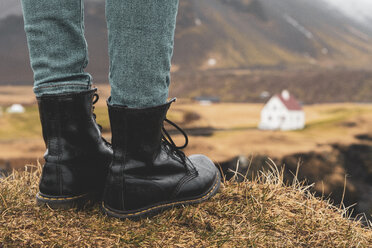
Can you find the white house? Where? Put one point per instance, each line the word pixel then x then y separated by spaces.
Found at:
pixel 207 100
pixel 16 109
pixel 282 112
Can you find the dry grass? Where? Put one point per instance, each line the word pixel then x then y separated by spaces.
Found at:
pixel 20 94
pixel 20 135
pixel 263 213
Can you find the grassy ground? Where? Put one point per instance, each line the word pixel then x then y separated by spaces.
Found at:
pixel 327 124
pixel 263 213
pixel 20 135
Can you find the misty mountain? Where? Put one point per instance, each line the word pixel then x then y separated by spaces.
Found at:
pixel 359 10
pixel 220 34
pixel 268 33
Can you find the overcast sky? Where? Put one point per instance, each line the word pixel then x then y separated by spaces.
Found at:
pixel 358 9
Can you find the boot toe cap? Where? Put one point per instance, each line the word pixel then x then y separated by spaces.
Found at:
pixel 206 180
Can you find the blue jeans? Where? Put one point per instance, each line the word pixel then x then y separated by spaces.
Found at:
pixel 141 38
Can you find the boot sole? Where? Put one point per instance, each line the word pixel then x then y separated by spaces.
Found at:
pixel 156 209
pixel 54 202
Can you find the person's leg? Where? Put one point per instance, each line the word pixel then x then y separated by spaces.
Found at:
pixel 58 50
pixel 77 158
pixel 141 35
pixel 149 172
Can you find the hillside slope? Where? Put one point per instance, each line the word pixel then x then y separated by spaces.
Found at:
pixel 221 34
pixel 264 213
pixel 309 86
pixel 268 33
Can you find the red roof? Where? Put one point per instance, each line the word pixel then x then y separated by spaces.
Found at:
pixel 291 103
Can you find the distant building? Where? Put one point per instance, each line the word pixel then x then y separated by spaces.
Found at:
pixel 16 109
pixel 282 112
pixel 212 62
pixel 207 100
pixel 198 22
pixel 264 95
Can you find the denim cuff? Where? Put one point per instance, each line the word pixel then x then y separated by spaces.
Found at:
pixel 60 88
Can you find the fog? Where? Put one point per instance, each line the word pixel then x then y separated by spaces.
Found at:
pixel 360 10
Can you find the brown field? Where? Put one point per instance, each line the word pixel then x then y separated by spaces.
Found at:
pixel 20 135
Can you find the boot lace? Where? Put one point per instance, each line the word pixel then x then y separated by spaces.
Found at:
pixel 167 139
pixel 95 100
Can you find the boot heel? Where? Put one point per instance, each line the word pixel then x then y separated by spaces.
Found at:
pixel 77 157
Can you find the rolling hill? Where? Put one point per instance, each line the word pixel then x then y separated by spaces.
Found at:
pixel 268 33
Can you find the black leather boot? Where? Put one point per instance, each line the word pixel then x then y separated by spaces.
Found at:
pixel 149 173
pixel 77 157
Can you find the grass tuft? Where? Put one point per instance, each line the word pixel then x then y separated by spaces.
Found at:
pixel 260 213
